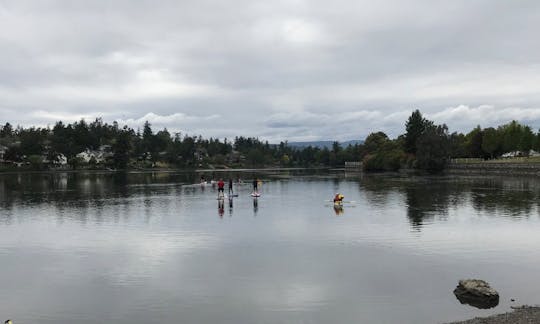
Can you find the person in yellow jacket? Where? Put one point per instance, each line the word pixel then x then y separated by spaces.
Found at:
pixel 338 199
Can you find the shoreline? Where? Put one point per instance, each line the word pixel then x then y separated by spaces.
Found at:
pixel 494 168
pixel 105 171
pixel 519 315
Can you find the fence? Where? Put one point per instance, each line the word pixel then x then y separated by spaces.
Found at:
pixel 353 164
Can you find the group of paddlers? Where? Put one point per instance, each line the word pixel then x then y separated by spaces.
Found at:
pixel 221 187
pixel 338 197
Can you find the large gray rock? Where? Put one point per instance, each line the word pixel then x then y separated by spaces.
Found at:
pixel 476 293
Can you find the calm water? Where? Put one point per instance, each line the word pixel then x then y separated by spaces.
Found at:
pixel 151 248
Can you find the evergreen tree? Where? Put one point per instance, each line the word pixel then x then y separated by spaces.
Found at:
pixel 474 143
pixel 490 141
pixel 433 148
pixel 6 130
pixel 415 126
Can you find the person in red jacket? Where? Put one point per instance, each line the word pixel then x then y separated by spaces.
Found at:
pixel 221 187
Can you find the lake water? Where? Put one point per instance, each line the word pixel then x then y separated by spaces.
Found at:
pixel 153 248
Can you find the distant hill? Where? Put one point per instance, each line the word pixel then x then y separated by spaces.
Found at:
pixel 322 144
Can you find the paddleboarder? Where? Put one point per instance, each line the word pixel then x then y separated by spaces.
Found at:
pixel 255 186
pixel 231 187
pixel 221 187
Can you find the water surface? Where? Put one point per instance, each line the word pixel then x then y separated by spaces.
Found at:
pixel 154 248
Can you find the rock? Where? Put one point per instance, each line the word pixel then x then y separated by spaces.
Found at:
pixel 476 293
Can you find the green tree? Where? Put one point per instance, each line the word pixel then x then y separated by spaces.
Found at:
pixel 536 143
pixel 147 137
pixel 414 127
pixel 491 141
pixel 388 157
pixel 526 140
pixel 458 147
pixel 511 133
pixel 122 148
pixel 6 130
pixel 433 148
pixel 374 141
pixel 36 162
pixel 474 143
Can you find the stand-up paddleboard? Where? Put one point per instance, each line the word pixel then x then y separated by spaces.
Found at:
pixel 255 194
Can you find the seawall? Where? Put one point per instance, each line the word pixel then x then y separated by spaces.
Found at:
pixel 498 168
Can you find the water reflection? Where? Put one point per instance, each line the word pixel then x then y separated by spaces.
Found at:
pixel 338 209
pixel 514 198
pixel 429 199
pixel 221 207
pixel 255 206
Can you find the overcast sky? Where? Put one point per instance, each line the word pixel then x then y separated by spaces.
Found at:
pixel 279 70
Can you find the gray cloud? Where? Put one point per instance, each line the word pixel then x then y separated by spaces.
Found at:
pixel 281 70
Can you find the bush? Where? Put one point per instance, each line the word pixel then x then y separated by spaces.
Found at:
pixel 384 160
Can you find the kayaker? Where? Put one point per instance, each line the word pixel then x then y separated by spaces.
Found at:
pixel 338 198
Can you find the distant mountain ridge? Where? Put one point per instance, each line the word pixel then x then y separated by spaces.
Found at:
pixel 323 144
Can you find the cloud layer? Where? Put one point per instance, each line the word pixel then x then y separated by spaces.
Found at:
pixel 281 70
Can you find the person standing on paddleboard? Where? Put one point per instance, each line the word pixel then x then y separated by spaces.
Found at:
pixel 255 186
pixel 230 187
pixel 221 187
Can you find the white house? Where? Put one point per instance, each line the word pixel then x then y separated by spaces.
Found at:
pixel 104 152
pixel 3 150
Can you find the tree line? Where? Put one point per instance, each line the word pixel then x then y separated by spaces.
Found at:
pixel 424 145
pixel 428 146
pixel 39 148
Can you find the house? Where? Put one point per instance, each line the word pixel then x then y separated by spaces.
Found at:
pixel 61 160
pixel 99 156
pixel 533 153
pixel 511 154
pixel 3 150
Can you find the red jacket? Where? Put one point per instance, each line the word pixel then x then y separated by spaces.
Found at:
pixel 221 184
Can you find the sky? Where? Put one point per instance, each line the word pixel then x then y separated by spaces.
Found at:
pixel 279 70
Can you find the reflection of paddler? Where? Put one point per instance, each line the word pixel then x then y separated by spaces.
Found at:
pixel 221 207
pixel 338 209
